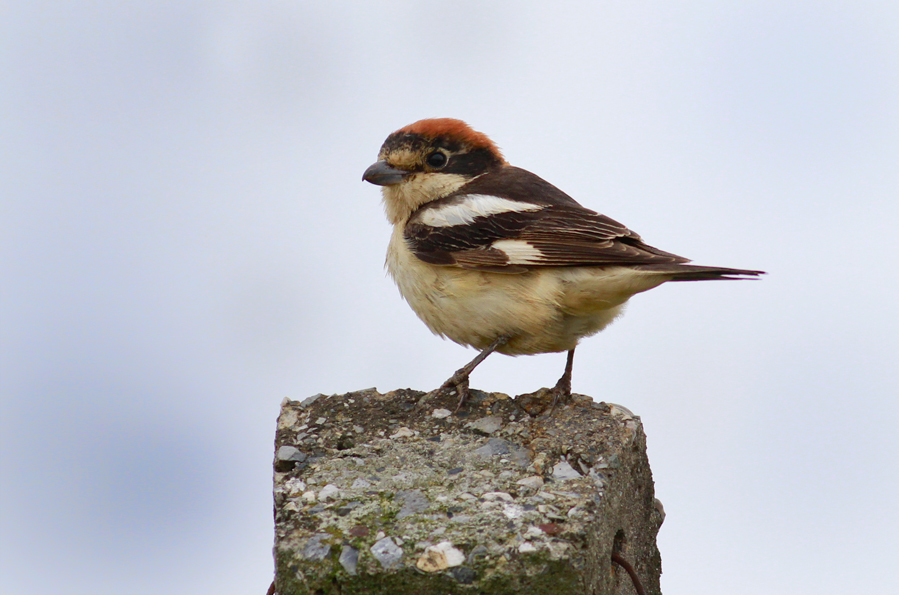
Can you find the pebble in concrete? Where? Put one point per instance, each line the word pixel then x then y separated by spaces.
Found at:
pixel 413 502
pixel 562 471
pixel 402 433
pixel 387 552
pixel 494 446
pixel 328 492
pixel 463 574
pixel 487 425
pixel 534 482
pixel 294 486
pixel 349 559
pixel 440 557
pixel 291 453
pixel 316 550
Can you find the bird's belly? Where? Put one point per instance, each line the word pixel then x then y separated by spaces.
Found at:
pixel 542 311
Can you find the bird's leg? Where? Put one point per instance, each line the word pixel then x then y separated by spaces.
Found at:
pixel 562 390
pixel 459 380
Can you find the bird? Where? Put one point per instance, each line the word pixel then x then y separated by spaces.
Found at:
pixel 493 257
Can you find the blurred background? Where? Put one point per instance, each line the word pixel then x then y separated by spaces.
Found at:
pixel 185 240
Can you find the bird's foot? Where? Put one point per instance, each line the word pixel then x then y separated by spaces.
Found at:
pixel 458 384
pixel 561 393
pixel 459 380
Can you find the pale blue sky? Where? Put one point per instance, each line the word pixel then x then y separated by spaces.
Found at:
pixel 185 240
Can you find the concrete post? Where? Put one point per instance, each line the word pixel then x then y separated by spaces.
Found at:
pixel 393 494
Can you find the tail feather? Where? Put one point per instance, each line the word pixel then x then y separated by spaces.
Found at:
pixel 689 272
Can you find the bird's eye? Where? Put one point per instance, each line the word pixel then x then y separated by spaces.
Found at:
pixel 436 159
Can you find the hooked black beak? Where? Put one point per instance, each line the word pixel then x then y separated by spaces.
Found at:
pixel 383 175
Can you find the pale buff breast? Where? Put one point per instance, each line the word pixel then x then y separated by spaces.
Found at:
pixel 545 310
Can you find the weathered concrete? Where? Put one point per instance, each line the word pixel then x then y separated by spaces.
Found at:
pixel 391 494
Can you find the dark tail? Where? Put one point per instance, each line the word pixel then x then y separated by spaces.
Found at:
pixel 689 272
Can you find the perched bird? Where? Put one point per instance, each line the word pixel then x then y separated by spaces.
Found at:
pixel 492 256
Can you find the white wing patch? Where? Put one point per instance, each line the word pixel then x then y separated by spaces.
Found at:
pixel 519 251
pixel 473 206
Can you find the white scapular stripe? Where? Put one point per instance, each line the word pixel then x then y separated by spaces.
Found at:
pixel 473 206
pixel 519 251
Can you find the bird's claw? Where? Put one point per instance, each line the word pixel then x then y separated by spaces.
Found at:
pixel 459 383
pixel 560 394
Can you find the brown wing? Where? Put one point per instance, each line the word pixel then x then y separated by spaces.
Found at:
pixel 511 220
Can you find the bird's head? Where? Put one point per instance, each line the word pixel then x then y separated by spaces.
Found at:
pixel 427 160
